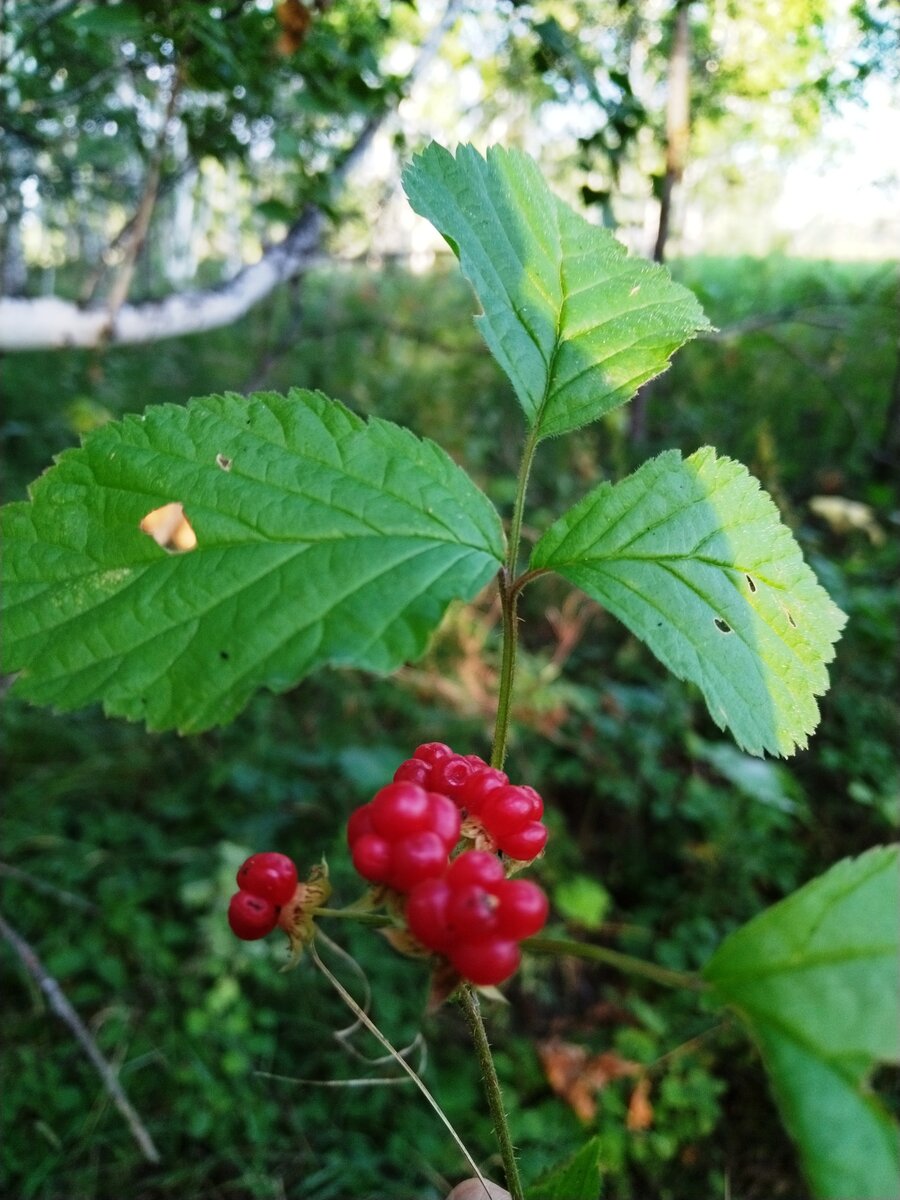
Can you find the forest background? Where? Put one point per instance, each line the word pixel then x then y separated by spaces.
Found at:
pixel 204 198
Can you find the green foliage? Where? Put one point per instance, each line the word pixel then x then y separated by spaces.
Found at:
pixel 816 980
pixel 689 836
pixel 691 555
pixel 577 1179
pixel 367 530
pixel 575 324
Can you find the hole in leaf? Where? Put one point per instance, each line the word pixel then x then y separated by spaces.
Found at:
pixel 224 462
pixel 223 654
pixel 722 626
pixel 170 528
pixel 750 583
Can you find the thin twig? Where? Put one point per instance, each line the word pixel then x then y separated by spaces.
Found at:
pixel 64 1010
pixel 48 889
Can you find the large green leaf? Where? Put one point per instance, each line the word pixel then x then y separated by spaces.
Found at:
pixel 575 324
pixel 816 979
pixel 691 555
pixel 322 539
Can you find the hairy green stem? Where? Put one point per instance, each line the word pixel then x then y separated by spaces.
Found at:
pixel 563 947
pixel 509 596
pixel 556 947
pixel 353 914
pixel 468 1002
pixel 515 528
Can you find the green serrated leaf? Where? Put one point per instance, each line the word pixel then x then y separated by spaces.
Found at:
pixel 321 539
pixel 816 979
pixel 691 555
pixel 576 1179
pixel 575 323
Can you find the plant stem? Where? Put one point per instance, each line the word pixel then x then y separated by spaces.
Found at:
pixel 468 1002
pixel 509 598
pixel 614 958
pixel 515 528
pixel 352 914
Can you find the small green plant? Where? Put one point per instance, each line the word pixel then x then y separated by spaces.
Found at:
pixel 181 560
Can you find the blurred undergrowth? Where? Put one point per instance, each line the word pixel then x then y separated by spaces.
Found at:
pixel 119 848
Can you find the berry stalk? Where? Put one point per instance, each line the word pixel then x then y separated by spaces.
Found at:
pixel 468 1002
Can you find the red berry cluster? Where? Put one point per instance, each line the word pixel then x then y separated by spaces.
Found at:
pixel 508 815
pixel 267 882
pixel 403 835
pixel 476 917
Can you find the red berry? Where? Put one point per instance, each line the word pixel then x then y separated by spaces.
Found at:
pixel 521 908
pixel 414 858
pixel 432 752
pixel 537 804
pixel 371 856
pixel 399 809
pixel 526 843
pixel 414 770
pixel 482 783
pixel 506 810
pixel 486 962
pixel 449 775
pixel 475 866
pixel 444 819
pixel 251 917
pixel 426 914
pixel 360 822
pixel 471 913
pixel 269 875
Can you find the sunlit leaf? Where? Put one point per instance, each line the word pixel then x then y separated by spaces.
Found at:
pixel 575 323
pixel 691 555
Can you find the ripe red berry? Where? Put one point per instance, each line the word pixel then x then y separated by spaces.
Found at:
pixel 432 752
pixel 507 810
pixel 526 843
pixel 251 917
pixel 414 858
pixel 483 782
pixel 399 809
pixel 360 822
pixel 521 908
pixel 413 770
pixel 371 856
pixel 486 962
pixel 269 875
pixel 475 866
pixel 426 914
pixel 449 776
pixel 471 913
pixel 444 819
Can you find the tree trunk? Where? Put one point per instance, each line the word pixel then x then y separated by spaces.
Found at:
pixel 48 323
pixel 678 125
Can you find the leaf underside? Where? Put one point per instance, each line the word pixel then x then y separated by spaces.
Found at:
pixel 321 539
pixel 691 555
pixel 816 979
pixel 574 322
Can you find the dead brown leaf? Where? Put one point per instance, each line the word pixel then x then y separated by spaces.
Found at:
pixel 640 1110
pixel 577 1075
